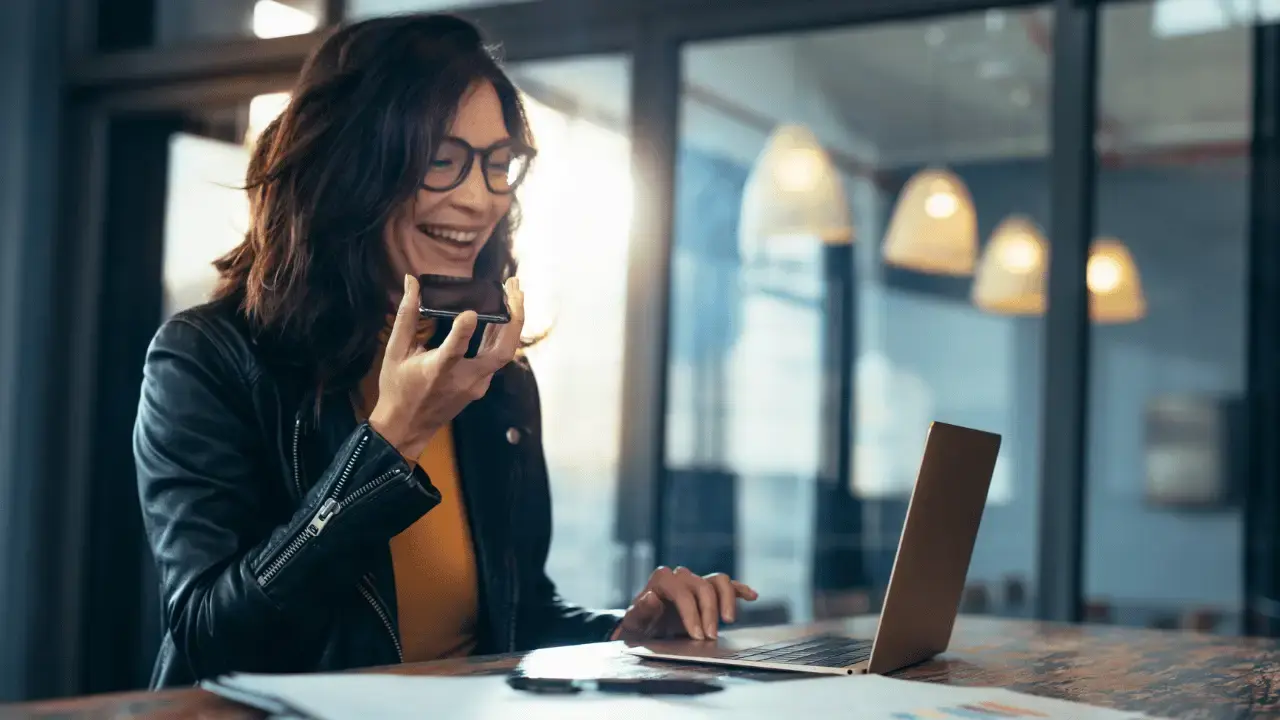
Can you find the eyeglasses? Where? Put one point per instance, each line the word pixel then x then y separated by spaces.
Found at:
pixel 504 165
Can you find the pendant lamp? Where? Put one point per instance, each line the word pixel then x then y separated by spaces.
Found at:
pixel 793 192
pixel 934 226
pixel 1011 275
pixel 1115 289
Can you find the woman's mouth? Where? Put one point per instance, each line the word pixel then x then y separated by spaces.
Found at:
pixel 450 236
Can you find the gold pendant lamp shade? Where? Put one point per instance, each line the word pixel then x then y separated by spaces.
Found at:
pixel 1011 274
pixel 794 191
pixel 1115 289
pixel 934 226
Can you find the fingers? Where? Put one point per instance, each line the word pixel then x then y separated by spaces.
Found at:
pixel 500 341
pixel 696 599
pixel 455 344
pixel 708 603
pixel 515 302
pixel 405 325
pixel 507 338
pixel 726 593
pixel 699 602
pixel 674 590
pixel 744 591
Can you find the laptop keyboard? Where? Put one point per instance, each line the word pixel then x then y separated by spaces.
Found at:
pixel 815 651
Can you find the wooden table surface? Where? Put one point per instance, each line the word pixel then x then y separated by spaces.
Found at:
pixel 1164 673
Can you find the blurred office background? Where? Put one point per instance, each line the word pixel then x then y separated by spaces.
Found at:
pixel 1057 221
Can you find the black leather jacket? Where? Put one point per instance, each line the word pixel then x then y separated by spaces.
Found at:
pixel 270 520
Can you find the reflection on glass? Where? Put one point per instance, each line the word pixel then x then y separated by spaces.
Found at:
pixel 1164 528
pixel 747 386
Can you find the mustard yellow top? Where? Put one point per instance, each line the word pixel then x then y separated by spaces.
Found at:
pixel 435 567
pixel 437 595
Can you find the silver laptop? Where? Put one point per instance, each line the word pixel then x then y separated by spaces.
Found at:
pixel 925 585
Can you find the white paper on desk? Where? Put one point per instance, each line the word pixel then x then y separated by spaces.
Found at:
pixel 867 697
pixel 875 697
pixel 360 696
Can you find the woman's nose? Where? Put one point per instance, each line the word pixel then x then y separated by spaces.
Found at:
pixel 471 193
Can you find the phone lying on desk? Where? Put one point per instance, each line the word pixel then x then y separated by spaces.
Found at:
pixel 445 297
pixel 521 680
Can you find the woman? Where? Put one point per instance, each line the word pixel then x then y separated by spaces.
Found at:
pixel 322 491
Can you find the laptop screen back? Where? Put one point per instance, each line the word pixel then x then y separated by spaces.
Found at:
pixel 928 575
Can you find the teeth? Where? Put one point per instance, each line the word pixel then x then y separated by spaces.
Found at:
pixel 458 236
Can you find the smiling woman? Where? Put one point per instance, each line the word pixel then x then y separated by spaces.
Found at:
pixel 322 491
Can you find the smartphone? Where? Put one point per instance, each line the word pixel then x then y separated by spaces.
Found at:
pixel 445 297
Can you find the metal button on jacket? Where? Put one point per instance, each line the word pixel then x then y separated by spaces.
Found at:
pixel 513 436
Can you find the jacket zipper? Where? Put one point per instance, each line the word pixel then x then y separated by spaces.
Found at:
pixel 370 593
pixel 330 507
pixel 377 483
pixel 297 466
pixel 351 463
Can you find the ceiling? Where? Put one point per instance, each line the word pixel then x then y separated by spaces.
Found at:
pixel 966 87
pixel 978 88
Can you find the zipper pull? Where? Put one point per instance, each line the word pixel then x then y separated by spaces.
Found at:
pixel 327 511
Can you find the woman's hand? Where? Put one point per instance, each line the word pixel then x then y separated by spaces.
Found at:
pixel 419 390
pixel 677 603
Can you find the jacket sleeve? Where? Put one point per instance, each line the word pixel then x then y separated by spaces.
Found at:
pixel 545 618
pixel 230 577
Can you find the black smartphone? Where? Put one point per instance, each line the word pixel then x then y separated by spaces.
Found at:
pixel 445 297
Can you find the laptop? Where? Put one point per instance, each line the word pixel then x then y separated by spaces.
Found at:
pixel 925 585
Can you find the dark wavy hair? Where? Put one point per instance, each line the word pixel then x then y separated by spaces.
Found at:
pixel 312 276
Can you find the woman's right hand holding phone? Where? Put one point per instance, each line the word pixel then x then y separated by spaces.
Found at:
pixel 419 390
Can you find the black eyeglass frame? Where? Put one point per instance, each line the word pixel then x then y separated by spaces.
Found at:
pixel 517 148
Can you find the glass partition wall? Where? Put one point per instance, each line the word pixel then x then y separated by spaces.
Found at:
pixel 728 396
pixel 1168 360
pixel 963 97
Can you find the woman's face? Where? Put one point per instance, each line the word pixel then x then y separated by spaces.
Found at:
pixel 442 233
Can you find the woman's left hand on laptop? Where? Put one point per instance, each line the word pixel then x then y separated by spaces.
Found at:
pixel 678 603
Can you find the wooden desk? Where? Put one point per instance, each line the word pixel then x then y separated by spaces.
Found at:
pixel 1175 674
